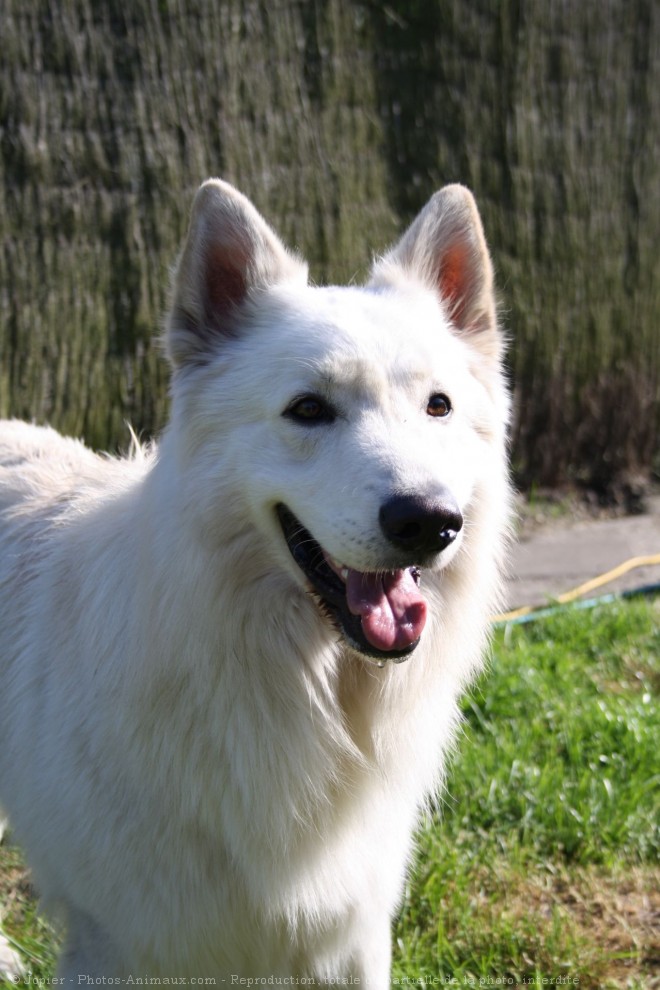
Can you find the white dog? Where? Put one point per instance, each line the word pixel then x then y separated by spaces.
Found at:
pixel 210 747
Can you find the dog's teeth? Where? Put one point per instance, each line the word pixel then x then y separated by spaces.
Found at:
pixel 344 573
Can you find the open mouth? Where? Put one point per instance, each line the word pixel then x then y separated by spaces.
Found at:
pixel 381 614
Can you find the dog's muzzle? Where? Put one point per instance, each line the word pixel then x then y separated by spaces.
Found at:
pixel 381 614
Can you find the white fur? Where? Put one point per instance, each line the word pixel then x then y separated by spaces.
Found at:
pixel 206 779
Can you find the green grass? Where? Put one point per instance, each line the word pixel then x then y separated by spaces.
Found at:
pixel 542 864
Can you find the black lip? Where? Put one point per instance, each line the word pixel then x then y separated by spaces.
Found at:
pixel 328 588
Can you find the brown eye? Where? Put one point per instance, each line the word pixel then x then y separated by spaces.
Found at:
pixel 310 410
pixel 439 405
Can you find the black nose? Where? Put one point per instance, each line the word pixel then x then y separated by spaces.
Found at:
pixel 421 524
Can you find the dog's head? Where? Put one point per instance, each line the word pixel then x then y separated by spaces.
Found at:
pixel 350 426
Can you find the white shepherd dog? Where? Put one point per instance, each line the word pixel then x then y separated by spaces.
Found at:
pixel 210 746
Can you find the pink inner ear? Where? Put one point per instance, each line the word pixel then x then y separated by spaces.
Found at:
pixel 453 280
pixel 226 284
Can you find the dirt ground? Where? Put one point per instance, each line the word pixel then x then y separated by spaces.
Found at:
pixel 559 551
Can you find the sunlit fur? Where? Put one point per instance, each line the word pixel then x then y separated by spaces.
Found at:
pixel 206 779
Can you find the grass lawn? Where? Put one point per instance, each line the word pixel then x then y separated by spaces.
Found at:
pixel 543 862
pixel 541 866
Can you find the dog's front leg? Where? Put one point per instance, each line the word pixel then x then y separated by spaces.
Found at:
pixel 89 955
pixel 371 960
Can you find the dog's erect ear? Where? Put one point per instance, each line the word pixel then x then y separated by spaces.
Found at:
pixel 446 249
pixel 230 253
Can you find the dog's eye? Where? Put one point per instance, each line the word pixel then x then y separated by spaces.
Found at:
pixel 439 405
pixel 310 409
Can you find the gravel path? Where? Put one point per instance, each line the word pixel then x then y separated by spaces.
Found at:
pixel 560 555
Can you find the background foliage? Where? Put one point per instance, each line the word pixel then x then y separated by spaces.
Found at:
pixel 339 118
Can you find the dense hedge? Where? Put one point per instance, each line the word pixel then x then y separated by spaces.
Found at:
pixel 339 119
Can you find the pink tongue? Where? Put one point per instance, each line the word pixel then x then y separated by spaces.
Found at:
pixel 392 610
